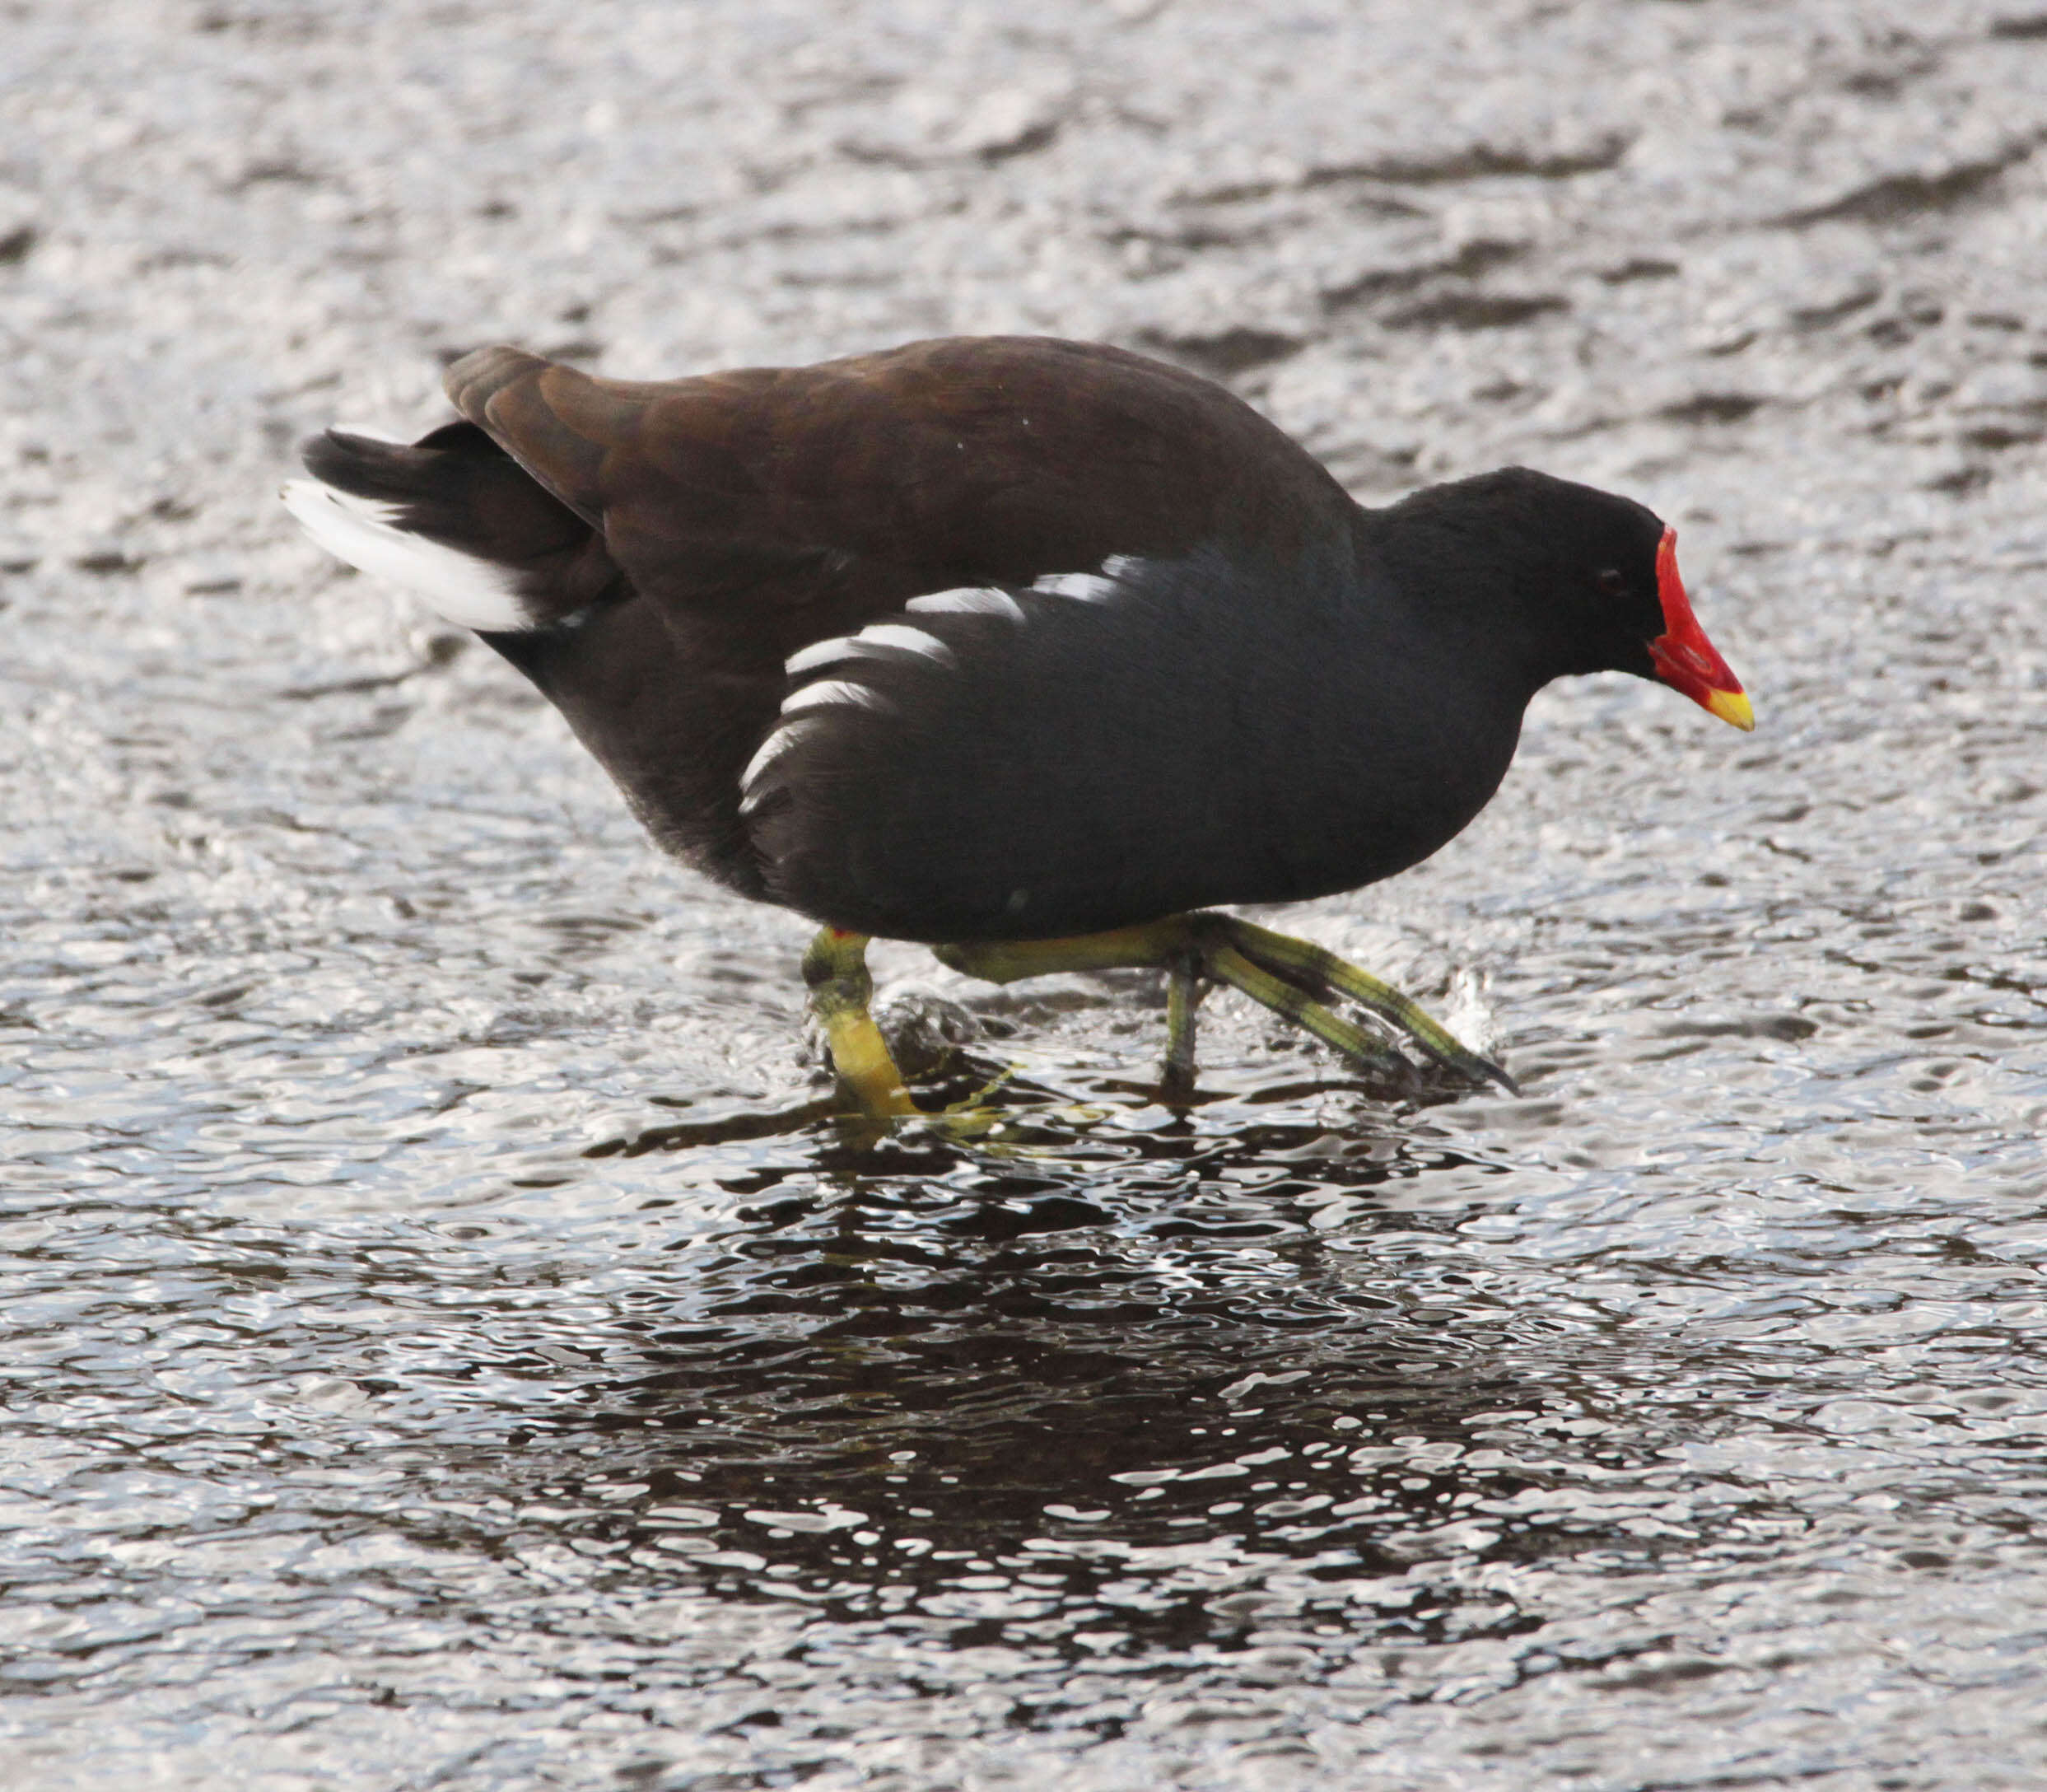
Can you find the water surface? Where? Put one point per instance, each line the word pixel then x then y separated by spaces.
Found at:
pixel 439 1353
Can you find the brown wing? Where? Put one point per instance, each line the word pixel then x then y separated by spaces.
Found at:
pixel 757 511
pixel 825 497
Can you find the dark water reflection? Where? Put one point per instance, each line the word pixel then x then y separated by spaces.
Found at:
pixel 1226 1427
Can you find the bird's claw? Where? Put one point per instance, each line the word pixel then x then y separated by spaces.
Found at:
pixel 1297 980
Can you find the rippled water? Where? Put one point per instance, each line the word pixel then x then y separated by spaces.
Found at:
pixel 442 1347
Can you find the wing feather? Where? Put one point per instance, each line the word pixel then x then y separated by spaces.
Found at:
pixel 1073 763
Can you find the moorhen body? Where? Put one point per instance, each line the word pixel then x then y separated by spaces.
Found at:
pixel 1024 648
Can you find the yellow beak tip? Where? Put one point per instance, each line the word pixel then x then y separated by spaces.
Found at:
pixel 1733 707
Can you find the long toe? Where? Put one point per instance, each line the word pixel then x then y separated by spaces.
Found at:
pixel 1321 977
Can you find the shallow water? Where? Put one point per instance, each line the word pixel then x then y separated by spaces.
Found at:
pixel 440 1350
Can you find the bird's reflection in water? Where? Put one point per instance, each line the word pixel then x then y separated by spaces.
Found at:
pixel 1159 1387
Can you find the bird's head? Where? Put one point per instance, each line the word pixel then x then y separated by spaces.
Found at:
pixel 1597 584
pixel 1630 610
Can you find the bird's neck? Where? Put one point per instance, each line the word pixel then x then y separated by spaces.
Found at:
pixel 1467 605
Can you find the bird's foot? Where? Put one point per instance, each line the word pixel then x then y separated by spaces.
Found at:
pixel 872 1094
pixel 835 968
pixel 1312 976
pixel 1297 980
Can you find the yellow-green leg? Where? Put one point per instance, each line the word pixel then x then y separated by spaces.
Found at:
pixel 835 968
pixel 1294 979
pixel 1316 969
pixel 1184 990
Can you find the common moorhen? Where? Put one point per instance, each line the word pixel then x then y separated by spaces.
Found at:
pixel 1024 648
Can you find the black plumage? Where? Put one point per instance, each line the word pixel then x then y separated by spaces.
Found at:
pixel 1010 639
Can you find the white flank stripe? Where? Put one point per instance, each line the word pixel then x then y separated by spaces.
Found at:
pixel 468 591
pixel 1089 587
pixel 968 602
pixel 909 640
pixel 1118 564
pixel 870 643
pixel 826 652
pixel 827 691
pixel 771 749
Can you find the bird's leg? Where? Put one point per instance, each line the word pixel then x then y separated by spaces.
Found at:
pixel 1292 977
pixel 1293 1003
pixel 835 968
pixel 1319 971
pixel 1184 990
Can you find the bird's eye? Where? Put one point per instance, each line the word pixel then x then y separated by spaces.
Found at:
pixel 1611 582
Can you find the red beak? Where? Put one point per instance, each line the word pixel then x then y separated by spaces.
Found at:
pixel 1685 660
